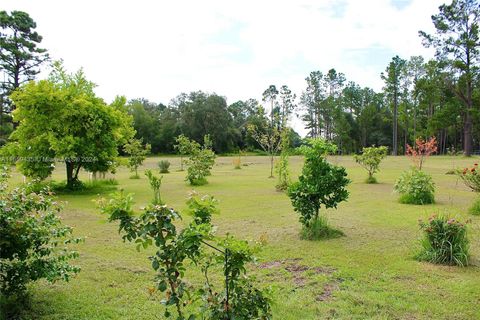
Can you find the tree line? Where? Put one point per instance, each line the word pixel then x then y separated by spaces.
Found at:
pixel 420 98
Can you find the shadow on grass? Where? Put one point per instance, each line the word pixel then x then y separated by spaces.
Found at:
pixel 80 188
pixel 14 306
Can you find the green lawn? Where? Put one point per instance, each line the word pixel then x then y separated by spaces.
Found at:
pixel 368 274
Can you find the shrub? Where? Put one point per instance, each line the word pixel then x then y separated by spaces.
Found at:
pixel 282 164
pixel 137 154
pixel 415 187
pixel 196 244
pixel 200 162
pixel 445 241
pixel 320 183
pixel 470 177
pixel 422 150
pixel 155 184
pixel 184 147
pixel 164 165
pixel 34 243
pixel 237 163
pixel 370 159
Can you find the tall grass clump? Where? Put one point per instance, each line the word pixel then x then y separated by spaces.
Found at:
pixel 445 241
pixel 163 166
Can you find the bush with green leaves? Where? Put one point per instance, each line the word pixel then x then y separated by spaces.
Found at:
pixel 470 177
pixel 370 159
pixel 320 184
pixel 200 162
pixel 445 241
pixel 155 184
pixel 195 245
pixel 184 146
pixel 164 165
pixel 415 187
pixel 282 165
pixel 34 243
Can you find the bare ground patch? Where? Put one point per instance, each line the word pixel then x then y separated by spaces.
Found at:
pixel 298 272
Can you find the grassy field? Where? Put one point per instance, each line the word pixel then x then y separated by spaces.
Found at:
pixel 368 274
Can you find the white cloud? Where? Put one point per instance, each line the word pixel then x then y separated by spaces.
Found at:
pixel 157 49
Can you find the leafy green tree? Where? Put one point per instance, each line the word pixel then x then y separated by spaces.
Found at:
pixel 184 147
pixel 370 159
pixel 244 113
pixel 203 114
pixel 320 184
pixel 146 122
pixel 61 119
pixel 201 159
pixel 457 41
pixel 155 184
pixel 137 154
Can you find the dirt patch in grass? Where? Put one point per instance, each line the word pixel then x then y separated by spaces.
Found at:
pixel 328 290
pixel 298 272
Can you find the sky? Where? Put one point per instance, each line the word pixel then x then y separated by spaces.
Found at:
pixel 159 49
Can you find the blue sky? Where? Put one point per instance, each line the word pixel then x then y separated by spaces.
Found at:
pixel 158 49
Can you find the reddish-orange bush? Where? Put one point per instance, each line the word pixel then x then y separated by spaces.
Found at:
pixel 422 150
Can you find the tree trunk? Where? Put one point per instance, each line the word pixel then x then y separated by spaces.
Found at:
pixel 70 179
pixel 271 165
pixel 395 123
pixel 467 134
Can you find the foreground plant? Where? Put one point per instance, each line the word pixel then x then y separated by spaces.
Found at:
pixel 34 243
pixel 370 159
pixel 195 245
pixel 320 184
pixel 445 241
